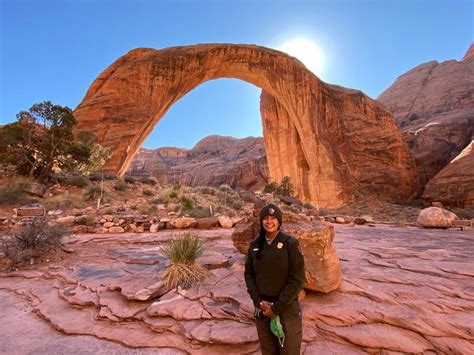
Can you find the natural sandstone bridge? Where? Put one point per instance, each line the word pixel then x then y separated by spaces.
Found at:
pixel 333 142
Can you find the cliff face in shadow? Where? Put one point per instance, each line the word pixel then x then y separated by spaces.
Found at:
pixel 214 160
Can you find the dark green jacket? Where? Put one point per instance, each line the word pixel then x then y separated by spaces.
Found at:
pixel 279 273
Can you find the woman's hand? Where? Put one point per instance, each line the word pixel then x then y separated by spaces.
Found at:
pixel 267 309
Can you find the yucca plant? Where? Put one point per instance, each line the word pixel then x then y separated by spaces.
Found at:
pixel 183 252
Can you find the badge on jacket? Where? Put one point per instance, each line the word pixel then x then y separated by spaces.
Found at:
pixel 279 245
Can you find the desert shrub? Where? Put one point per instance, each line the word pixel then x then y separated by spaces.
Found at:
pixel 147 209
pixel 247 196
pixel 182 253
pixel 464 213
pixel 14 194
pixel 78 181
pixel 206 190
pixel 171 193
pixel 231 200
pixel 271 187
pixel 413 117
pixel 148 180
pixel 200 212
pixel 100 176
pixel 290 209
pixel 93 192
pixel 34 239
pixel 187 203
pixel 87 220
pixel 286 187
pixel 225 187
pixel 148 192
pixel 121 185
pixel 157 201
pixel 108 210
pixel 130 179
pixel 63 202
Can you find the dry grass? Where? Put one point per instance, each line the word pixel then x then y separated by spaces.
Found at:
pixel 183 252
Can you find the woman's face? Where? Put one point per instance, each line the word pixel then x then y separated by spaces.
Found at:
pixel 270 224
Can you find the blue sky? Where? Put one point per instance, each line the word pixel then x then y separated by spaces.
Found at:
pixel 53 50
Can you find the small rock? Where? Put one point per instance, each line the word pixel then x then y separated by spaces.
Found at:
pixel 67 220
pixel 116 229
pixel 185 222
pixel 108 224
pixel 225 222
pixel 340 220
pixel 154 228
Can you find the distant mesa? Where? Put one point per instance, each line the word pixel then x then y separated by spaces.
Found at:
pixel 334 143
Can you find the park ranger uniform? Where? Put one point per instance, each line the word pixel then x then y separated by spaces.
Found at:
pixel 276 275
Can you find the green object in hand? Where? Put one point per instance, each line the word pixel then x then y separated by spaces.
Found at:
pixel 277 329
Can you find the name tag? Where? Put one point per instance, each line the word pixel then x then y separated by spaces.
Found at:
pixel 255 249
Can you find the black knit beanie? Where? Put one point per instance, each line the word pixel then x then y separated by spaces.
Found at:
pixel 271 210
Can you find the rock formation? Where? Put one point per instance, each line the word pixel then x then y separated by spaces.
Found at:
pixel 214 161
pixel 433 104
pixel 333 142
pixel 454 185
pixel 396 296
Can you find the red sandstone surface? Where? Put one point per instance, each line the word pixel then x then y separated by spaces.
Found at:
pixel 404 290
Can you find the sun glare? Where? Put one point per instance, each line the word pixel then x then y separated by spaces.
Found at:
pixel 306 51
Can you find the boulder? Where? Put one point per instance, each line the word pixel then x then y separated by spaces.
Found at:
pixel 66 220
pixel 225 222
pixel 436 217
pixel 185 222
pixel 322 266
pixel 207 223
pixel 323 271
pixel 36 189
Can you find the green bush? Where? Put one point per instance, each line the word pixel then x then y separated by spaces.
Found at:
pixel 14 194
pixel 271 187
pixel 187 203
pixel 182 253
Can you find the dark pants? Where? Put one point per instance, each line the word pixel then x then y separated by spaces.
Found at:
pixel 291 321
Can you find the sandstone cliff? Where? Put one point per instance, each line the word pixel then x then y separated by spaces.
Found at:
pixel 214 160
pixel 433 104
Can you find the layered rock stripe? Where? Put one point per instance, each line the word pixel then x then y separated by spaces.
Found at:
pixel 333 142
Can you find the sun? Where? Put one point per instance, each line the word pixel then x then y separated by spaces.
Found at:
pixel 307 51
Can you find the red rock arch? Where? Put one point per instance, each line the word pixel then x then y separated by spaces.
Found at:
pixel 331 141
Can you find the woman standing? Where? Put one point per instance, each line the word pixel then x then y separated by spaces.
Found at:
pixel 274 275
